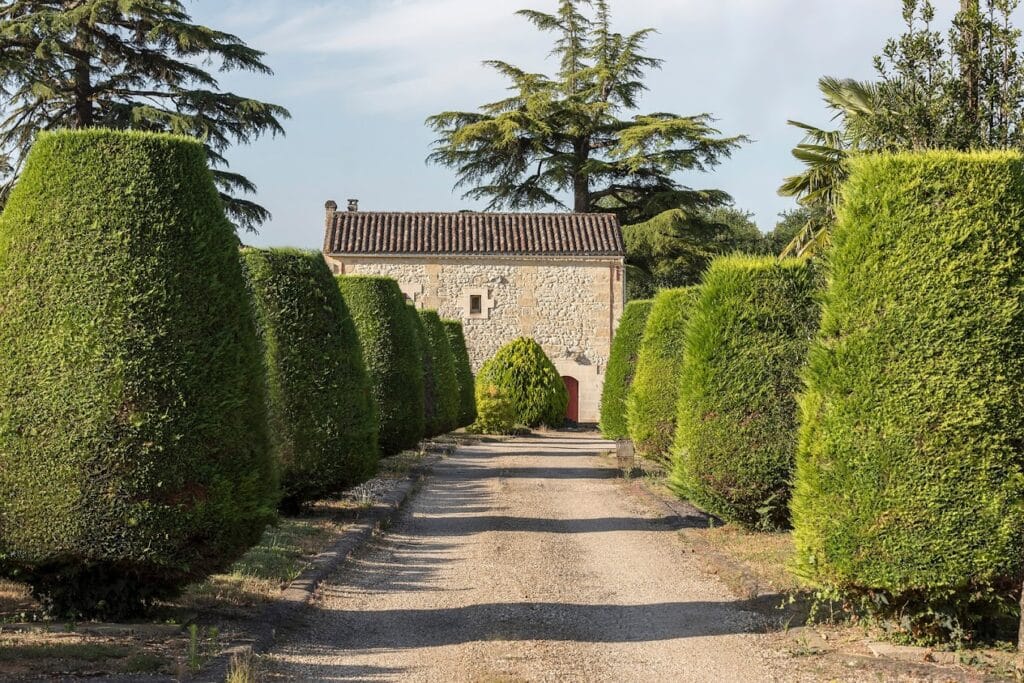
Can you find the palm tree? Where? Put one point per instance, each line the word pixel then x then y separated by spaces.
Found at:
pixel 824 153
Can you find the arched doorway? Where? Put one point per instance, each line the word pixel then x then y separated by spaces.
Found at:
pixel 572 385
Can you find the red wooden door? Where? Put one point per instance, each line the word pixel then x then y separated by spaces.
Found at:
pixel 573 387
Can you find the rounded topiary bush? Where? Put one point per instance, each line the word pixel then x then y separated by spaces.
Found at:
pixel 395 367
pixel 133 444
pixel 443 394
pixel 322 421
pixel 495 412
pixel 746 342
pixel 464 372
pixel 909 488
pixel 618 378
pixel 524 375
pixel 651 405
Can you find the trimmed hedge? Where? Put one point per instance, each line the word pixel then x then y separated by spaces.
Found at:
pixel 133 445
pixel 443 415
pixel 524 375
pixel 387 334
pixel 910 468
pixel 322 421
pixel 746 342
pixel 463 371
pixel 651 406
pixel 618 377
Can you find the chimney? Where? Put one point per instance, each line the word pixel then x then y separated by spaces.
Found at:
pixel 353 205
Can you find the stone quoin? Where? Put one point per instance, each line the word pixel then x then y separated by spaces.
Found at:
pixel 556 277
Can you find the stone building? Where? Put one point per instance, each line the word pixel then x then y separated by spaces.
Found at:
pixel 555 277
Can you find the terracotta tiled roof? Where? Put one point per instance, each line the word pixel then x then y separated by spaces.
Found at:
pixel 517 234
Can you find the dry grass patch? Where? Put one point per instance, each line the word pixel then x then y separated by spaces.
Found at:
pixel 42 654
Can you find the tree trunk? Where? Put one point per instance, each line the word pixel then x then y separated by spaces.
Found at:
pixel 970 13
pixel 580 180
pixel 83 83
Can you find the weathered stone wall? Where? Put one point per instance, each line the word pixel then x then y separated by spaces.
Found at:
pixel 571 307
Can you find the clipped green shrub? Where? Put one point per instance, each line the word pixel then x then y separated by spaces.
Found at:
pixel 419 341
pixel 524 375
pixel 651 405
pixel 463 371
pixel 394 365
pixel 496 414
pixel 618 378
pixel 322 421
pixel 133 444
pixel 443 415
pixel 909 492
pixel 746 342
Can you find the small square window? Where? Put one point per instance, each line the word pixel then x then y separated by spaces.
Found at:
pixel 476 304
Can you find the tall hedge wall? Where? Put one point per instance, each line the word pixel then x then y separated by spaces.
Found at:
pixel 651 406
pixel 746 343
pixel 463 371
pixel 444 381
pixel 618 377
pixel 322 418
pixel 133 442
pixel 525 377
pixel 395 367
pixel 910 467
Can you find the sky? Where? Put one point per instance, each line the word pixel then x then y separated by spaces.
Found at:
pixel 361 76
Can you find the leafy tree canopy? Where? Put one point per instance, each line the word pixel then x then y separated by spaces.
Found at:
pixel 569 134
pixel 128 64
pixel 962 90
pixel 674 249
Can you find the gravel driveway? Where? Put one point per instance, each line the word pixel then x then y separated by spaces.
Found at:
pixel 525 561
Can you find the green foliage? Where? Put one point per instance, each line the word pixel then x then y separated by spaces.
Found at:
pixel 674 248
pixel 322 420
pixel 910 474
pixel 651 403
pixel 496 412
pixel 464 372
pixel 525 376
pixel 746 341
pixel 393 362
pixel 443 381
pixel 565 135
pixel 618 377
pixel 133 441
pixel 138 65
pixel 961 92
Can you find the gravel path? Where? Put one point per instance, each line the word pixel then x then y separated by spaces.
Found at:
pixel 524 561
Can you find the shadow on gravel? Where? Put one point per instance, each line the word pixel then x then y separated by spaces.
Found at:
pixel 464 526
pixel 543 621
pixel 469 472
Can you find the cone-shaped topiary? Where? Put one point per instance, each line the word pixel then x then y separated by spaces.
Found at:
pixel 651 406
pixel 464 372
pixel 910 467
pixel 526 377
pixel 444 417
pixel 618 378
pixel 387 333
pixel 322 421
pixel 419 340
pixel 746 342
pixel 133 445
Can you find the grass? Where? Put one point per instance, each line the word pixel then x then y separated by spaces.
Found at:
pixel 243 669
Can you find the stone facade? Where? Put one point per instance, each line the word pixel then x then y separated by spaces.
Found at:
pixel 570 305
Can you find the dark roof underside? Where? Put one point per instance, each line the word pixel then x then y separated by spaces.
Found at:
pixel 504 234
